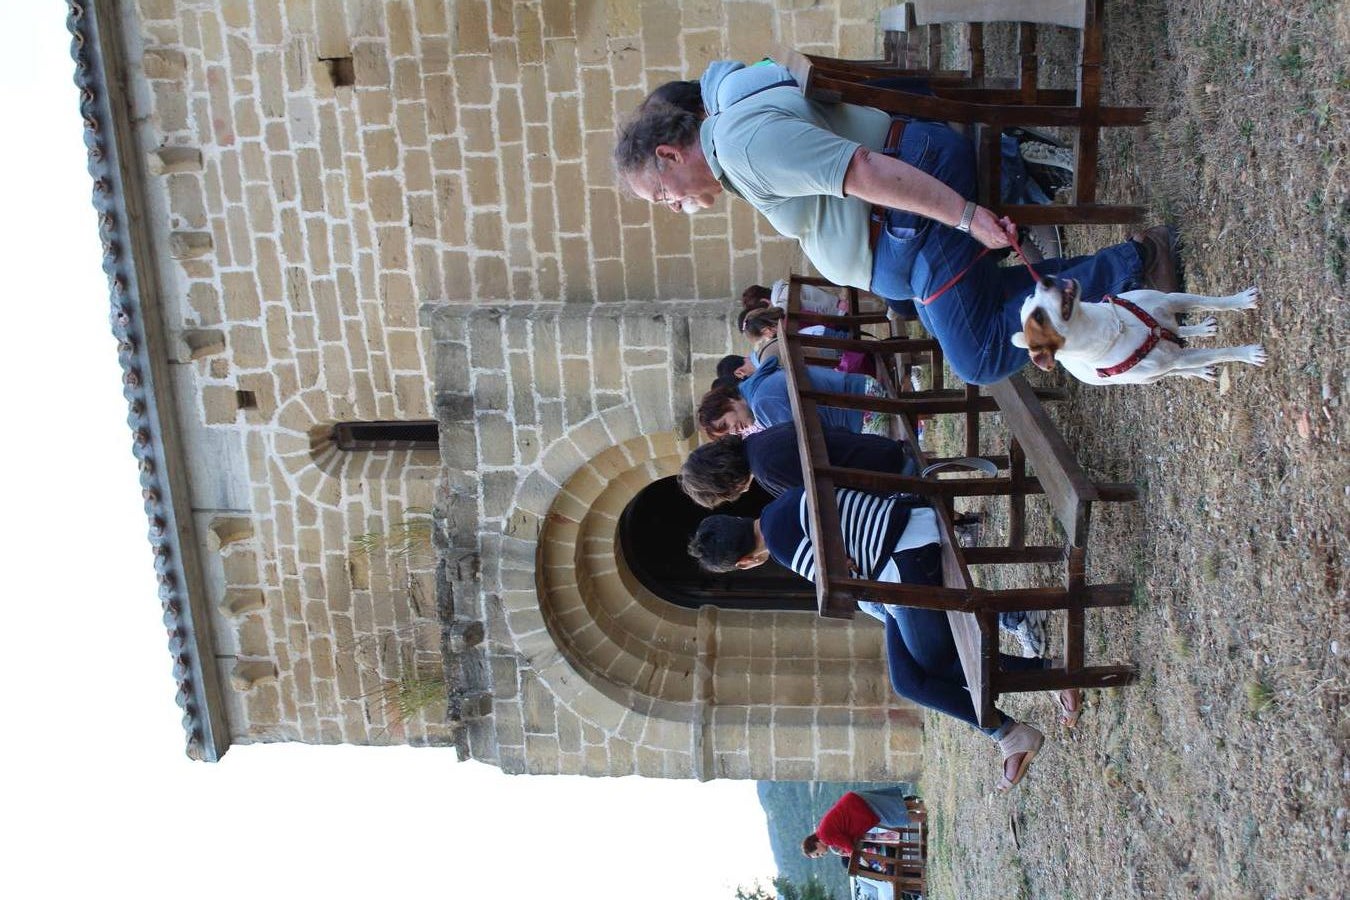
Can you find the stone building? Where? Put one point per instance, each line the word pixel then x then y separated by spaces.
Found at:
pixel 332 226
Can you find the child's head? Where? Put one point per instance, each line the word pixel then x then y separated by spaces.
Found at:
pixel 716 472
pixel 755 296
pixel 727 366
pixel 723 411
pixel 762 323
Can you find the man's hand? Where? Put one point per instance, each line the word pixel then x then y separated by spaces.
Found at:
pixel 993 233
pixel 887 181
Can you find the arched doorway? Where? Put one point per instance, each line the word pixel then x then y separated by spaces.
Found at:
pixel 654 532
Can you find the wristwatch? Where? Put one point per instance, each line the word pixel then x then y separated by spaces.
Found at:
pixel 967 216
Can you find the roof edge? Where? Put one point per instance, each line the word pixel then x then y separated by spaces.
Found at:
pixel 142 349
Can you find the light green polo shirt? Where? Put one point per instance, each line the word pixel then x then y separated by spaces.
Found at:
pixel 787 156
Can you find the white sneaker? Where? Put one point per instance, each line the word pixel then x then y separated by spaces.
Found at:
pixel 1029 629
pixel 1047 155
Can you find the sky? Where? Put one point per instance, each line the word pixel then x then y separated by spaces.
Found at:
pixel 97 792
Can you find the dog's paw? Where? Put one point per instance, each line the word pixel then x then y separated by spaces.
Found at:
pixel 1253 354
pixel 1208 373
pixel 1249 297
pixel 1206 327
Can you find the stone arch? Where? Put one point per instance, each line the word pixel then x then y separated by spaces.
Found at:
pixel 652 657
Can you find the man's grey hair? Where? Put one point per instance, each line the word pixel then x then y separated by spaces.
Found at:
pixel 652 124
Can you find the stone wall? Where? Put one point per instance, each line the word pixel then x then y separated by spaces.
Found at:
pixel 316 170
pixel 590 672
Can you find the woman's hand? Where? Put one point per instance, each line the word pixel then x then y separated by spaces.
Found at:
pixel 993 233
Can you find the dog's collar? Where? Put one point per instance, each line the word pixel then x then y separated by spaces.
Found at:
pixel 1156 332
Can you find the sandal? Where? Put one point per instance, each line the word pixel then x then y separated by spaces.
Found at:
pixel 1068 713
pixel 1023 740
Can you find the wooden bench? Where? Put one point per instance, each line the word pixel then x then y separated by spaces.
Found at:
pixel 968 99
pixel 1032 440
pixel 895 860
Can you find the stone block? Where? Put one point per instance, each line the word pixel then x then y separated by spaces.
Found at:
pixel 171 107
pixel 411 123
pixel 639 267
pixel 659 22
pixel 537 709
pixel 380 149
pixel 247 349
pixel 481 173
pixel 239 601
pixel 219 404
pixel 204 300
pixel 565 130
pixel 473 80
pixel 263 706
pixel 199 343
pixel 386 198
pixel 541 754
pixel 248 674
pixel 190 244
pixel 252 637
pixel 649 763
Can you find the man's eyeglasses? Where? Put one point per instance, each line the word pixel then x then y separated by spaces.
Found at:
pixel 664 196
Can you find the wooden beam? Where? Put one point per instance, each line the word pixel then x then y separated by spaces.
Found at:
pixel 1066 485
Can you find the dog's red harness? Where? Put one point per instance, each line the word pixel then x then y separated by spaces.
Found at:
pixel 1156 333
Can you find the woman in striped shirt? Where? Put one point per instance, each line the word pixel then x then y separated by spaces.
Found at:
pixel 886 539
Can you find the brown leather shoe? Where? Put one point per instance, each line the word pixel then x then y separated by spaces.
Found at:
pixel 1159 270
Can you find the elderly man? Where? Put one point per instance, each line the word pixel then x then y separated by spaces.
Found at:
pixel 883 205
pixel 886 539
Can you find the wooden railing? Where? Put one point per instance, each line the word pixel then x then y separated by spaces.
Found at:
pixel 1031 439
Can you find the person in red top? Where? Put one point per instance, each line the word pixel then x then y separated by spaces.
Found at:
pixel 855 814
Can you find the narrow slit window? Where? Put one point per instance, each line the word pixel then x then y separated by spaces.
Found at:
pixel 341 71
pixel 420 434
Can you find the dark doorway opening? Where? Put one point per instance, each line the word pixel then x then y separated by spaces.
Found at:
pixel 654 533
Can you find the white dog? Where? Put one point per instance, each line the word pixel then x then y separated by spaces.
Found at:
pixel 1134 338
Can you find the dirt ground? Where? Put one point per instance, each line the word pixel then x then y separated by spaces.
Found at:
pixel 1223 772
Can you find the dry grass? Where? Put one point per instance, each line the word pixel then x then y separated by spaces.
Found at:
pixel 1223 772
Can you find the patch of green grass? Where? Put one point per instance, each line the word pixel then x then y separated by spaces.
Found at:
pixel 1259 695
pixel 1291 61
pixel 1222 44
pixel 1210 566
pixel 408 540
pixel 1336 248
pixel 413 693
pixel 1024 891
pixel 1139 596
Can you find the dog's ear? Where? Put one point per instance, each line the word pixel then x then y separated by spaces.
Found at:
pixel 1019 340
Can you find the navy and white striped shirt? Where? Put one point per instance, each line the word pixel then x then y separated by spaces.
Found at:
pixel 871 524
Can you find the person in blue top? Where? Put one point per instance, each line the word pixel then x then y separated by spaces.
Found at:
pixel 720 471
pixel 820 172
pixel 762 401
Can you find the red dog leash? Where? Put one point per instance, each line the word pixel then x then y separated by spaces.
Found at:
pixel 1017 247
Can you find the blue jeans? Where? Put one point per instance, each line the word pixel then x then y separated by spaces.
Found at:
pixel 924 664
pixel 975 319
